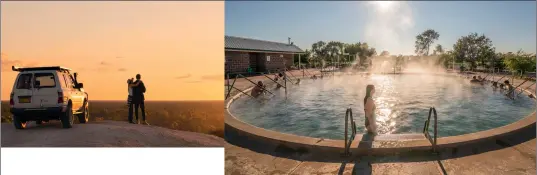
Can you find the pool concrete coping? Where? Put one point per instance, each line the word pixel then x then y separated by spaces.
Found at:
pixel 375 147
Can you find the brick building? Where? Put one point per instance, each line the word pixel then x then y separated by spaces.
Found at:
pixel 258 55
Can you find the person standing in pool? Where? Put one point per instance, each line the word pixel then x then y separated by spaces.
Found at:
pixel 494 86
pixel 369 109
pixel 510 89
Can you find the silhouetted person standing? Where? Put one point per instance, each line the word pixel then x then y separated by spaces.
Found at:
pixel 131 85
pixel 138 97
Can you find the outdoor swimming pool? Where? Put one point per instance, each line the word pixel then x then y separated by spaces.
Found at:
pixel 316 108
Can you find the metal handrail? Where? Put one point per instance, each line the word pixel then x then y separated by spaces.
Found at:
pixel 432 110
pixel 348 140
pixel 522 90
pixel 232 86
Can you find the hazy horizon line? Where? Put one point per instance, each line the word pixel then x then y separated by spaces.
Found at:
pixel 151 100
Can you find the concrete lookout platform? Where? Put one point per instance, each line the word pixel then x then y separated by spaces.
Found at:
pixel 259 139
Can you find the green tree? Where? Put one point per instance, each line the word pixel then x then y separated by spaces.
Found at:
pixel 334 49
pixel 319 52
pixel 424 41
pixel 305 58
pixel 438 50
pixel 474 49
pixel 446 59
pixel 498 61
pixel 365 53
pixel 520 61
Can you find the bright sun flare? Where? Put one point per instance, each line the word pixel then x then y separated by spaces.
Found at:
pixel 383 5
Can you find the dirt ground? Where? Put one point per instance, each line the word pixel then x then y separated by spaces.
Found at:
pixel 103 134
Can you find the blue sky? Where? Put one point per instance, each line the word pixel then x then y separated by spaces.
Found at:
pixel 386 26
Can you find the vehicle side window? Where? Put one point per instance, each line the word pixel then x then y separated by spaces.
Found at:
pixel 71 79
pixel 44 80
pixel 68 83
pixel 25 81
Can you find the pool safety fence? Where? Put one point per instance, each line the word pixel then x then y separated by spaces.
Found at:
pixel 230 87
pixel 522 90
pixel 513 90
pixel 286 78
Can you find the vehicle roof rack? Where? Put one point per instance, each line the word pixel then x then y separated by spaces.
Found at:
pixel 22 69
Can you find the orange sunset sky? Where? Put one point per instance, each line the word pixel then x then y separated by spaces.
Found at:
pixel 177 47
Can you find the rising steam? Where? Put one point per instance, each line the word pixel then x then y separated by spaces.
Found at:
pixel 388 26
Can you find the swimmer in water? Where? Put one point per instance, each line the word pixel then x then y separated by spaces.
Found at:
pixel 258 89
pixel 474 80
pixel 510 89
pixel 482 79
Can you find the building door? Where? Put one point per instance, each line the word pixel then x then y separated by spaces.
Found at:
pixel 253 61
pixel 260 62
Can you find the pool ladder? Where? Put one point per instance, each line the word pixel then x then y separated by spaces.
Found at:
pixel 348 140
pixel 432 112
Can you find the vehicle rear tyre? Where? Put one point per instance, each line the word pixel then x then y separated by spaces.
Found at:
pixel 67 117
pixel 84 116
pixel 18 123
pixel 39 122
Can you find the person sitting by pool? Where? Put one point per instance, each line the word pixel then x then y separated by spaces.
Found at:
pixel 369 109
pixel 501 87
pixel 258 89
pixel 297 81
pixel 314 77
pixel 276 77
pixel 474 80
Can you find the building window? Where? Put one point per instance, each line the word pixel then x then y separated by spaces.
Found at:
pixel 268 58
pixel 281 56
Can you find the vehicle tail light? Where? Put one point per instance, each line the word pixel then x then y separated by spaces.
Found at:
pixel 60 97
pixel 11 102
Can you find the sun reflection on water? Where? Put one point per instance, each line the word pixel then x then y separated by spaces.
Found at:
pixel 316 108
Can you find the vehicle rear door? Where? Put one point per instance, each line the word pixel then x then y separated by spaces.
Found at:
pixel 46 88
pixel 76 95
pixel 22 91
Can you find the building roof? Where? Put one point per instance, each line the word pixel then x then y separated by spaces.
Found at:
pixel 247 44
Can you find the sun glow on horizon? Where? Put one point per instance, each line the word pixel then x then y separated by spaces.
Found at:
pixel 177 47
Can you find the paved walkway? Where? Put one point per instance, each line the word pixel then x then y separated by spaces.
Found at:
pixel 519 159
pixel 503 159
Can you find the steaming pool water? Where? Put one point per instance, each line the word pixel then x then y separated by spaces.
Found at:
pixel 316 108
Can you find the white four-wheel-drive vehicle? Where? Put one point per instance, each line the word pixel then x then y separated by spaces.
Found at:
pixel 47 93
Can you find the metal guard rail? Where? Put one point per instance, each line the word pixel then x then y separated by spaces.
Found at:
pixel 348 140
pixel 432 110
